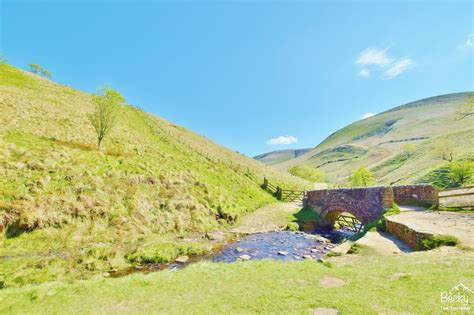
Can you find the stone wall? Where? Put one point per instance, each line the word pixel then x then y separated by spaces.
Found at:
pixel 366 204
pixel 409 236
pixel 413 194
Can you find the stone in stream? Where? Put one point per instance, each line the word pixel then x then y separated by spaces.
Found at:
pixel 239 249
pixel 282 253
pixel 309 257
pixel 182 259
pixel 314 250
pixel 245 257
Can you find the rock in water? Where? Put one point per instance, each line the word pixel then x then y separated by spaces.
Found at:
pixel 182 259
pixel 308 257
pixel 314 250
pixel 245 257
pixel 282 253
pixel 239 249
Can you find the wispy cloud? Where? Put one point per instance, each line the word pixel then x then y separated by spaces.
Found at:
pixel 398 68
pixel 373 60
pixel 373 56
pixel 469 43
pixel 367 115
pixel 282 140
pixel 365 73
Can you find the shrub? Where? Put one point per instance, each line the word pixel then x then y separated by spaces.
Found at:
pixel 434 241
pixel 292 226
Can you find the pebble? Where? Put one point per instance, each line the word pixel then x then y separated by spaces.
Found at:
pixel 321 260
pixel 283 253
pixel 106 274
pixel 309 257
pixel 314 250
pixel 182 259
pixel 245 257
pixel 239 249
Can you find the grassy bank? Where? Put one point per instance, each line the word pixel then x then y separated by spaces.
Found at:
pixel 373 284
pixel 68 211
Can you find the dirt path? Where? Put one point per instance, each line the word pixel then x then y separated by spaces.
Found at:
pixel 460 225
pixel 272 217
pixel 383 243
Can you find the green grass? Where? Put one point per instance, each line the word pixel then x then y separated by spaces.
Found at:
pixel 437 241
pixel 260 287
pixel 68 211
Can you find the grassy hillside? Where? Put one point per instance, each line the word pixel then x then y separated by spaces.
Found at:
pixel 379 143
pixel 68 210
pixel 280 156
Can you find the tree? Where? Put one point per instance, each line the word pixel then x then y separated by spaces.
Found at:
pixel 460 172
pixel 103 119
pixel 445 150
pixel 37 69
pixel 409 149
pixel 362 177
pixel 467 109
pixel 307 172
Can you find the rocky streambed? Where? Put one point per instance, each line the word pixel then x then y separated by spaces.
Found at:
pixel 286 246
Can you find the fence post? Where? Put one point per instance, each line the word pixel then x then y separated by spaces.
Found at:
pixel 278 193
pixel 265 183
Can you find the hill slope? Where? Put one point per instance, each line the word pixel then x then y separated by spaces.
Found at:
pixel 280 156
pixel 379 142
pixel 64 204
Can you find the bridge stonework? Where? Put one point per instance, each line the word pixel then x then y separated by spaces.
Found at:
pixel 366 204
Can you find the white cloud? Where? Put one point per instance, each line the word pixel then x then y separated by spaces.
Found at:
pixel 469 43
pixel 376 61
pixel 373 56
pixel 367 115
pixel 282 140
pixel 398 68
pixel 365 73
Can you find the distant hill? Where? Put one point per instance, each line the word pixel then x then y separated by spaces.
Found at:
pixel 379 143
pixel 152 183
pixel 280 156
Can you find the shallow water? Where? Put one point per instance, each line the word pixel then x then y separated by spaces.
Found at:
pixel 285 246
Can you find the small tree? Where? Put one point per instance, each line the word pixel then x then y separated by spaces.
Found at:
pixel 103 119
pixel 37 69
pixel 467 109
pixel 409 149
pixel 460 172
pixel 445 150
pixel 362 177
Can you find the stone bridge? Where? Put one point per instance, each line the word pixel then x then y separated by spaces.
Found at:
pixel 368 203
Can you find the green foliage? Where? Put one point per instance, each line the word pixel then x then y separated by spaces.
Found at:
pixel 392 211
pixel 461 172
pixel 165 252
pixel 37 69
pixel 409 149
pixel 362 177
pixel 307 172
pixel 104 118
pixel 292 226
pixel 435 241
pixel 444 149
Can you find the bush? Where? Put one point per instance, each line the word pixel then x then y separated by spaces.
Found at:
pixel 292 226
pixel 392 211
pixel 435 241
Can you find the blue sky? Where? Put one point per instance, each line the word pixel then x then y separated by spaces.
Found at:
pixel 254 76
